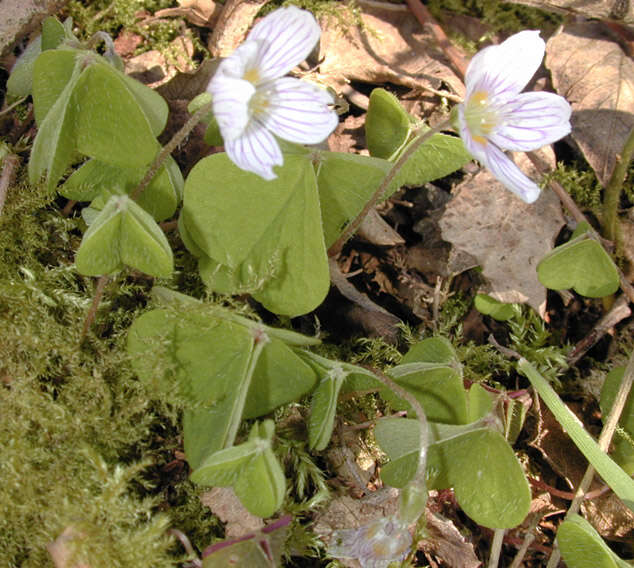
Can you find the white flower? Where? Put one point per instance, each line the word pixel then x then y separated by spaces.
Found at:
pixel 496 117
pixel 253 101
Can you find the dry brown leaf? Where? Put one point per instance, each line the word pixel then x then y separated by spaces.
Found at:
pixel 445 542
pixel 232 25
pixel 391 47
pixel 227 507
pixel 203 13
pixel 62 549
pixel 597 78
pixel 155 68
pixel 507 236
pixel 612 519
pixel 620 10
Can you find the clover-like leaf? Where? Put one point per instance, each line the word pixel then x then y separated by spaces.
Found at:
pixel 264 238
pixel 160 198
pixel 581 264
pixel 124 234
pixel 387 125
pixel 582 547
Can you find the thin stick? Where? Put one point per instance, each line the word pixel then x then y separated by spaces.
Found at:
pixel 352 227
pixel 169 148
pixel 92 312
pixel 496 548
pixel 604 443
pixel 9 167
pixel 423 15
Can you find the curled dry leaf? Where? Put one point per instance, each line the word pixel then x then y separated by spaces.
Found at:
pixel 620 10
pixel 203 13
pixel 446 543
pixel 232 25
pixel 227 507
pixel 597 78
pixel 507 236
pixel 155 68
pixel 389 46
pixel 62 549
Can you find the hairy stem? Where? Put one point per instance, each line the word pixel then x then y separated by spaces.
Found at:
pixel 352 227
pixel 169 148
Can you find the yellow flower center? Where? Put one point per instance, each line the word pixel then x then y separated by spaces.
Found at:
pixel 251 75
pixel 480 116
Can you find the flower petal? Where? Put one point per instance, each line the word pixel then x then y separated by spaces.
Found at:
pixel 256 150
pixel 231 104
pixel 504 70
pixel 501 166
pixel 286 37
pixel 297 111
pixel 532 120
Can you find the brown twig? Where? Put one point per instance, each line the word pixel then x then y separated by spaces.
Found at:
pixel 619 311
pixel 422 14
pixel 9 168
pixel 92 312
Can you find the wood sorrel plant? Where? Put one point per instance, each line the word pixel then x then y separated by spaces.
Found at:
pixel 260 219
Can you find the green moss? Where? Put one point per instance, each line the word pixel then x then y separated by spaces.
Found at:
pixel 501 16
pixel 580 182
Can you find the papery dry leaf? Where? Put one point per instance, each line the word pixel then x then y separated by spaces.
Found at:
pixel 445 542
pixel 203 13
pixel 227 507
pixel 62 550
pixel 507 236
pixel 597 78
pixel 155 68
pixel 390 47
pixel 621 10
pixel 610 517
pixel 232 25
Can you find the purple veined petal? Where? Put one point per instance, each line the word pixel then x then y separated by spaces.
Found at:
pixel 255 151
pixel 532 120
pixel 298 111
pixel 503 168
pixel 286 37
pixel 504 70
pixel 230 99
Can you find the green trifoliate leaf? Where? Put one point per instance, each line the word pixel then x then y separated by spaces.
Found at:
pixel 124 234
pixel 20 82
pixel 581 264
pixel 323 406
pixel 261 237
pixel 582 547
pixel 111 125
pixel 387 125
pixel 430 371
pixel 346 183
pixel 160 198
pixel 489 306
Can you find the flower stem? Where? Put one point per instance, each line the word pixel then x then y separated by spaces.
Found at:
pixel 352 227
pixel 613 192
pixel 169 148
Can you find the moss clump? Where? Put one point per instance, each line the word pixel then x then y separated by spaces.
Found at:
pixel 580 182
pixel 79 432
pixel 501 16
